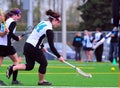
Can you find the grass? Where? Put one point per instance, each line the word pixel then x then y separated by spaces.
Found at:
pixel 62 75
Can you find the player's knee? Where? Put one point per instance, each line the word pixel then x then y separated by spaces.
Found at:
pixel 45 64
pixel 29 67
pixel 42 68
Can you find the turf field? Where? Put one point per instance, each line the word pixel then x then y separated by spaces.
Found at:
pixel 63 76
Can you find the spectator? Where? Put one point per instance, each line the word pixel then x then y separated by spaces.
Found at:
pixel 116 20
pixel 87 45
pixel 99 50
pixel 77 43
pixel 114 46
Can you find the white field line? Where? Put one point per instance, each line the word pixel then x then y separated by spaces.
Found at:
pixel 69 73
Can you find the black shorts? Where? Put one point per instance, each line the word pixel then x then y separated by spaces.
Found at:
pixel 87 48
pixel 34 54
pixel 7 50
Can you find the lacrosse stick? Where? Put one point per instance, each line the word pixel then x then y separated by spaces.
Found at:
pixel 29 29
pixel 103 39
pixel 87 75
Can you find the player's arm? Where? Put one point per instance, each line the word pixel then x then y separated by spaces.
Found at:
pixel 11 28
pixel 3 33
pixel 50 37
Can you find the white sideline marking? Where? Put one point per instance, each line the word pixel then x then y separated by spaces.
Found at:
pixel 99 73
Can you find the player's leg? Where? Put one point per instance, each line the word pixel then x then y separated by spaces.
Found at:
pixel 1 82
pixel 119 48
pixel 1 60
pixel 111 52
pixel 41 59
pixel 115 50
pixel 14 58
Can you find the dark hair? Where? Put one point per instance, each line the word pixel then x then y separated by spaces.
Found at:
pixel 14 11
pixel 99 29
pixel 52 15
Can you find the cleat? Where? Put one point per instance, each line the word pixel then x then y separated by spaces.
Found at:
pixel 9 72
pixel 16 82
pixel 45 83
pixel 2 83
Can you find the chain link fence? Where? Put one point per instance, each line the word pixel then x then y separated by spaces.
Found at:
pixel 58 38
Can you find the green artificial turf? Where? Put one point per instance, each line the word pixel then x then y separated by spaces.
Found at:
pixel 63 76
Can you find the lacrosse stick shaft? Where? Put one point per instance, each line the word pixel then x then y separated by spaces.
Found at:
pixel 64 61
pixel 103 39
pixel 99 43
pixel 77 69
pixel 69 64
pixel 29 30
pixel 25 34
pixel 22 35
pixel 51 54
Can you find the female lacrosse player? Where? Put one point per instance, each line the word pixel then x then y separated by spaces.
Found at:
pixel 3 32
pixel 6 47
pixel 33 49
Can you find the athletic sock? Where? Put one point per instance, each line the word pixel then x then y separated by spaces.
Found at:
pixel 15 73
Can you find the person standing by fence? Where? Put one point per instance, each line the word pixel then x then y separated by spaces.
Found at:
pixel 116 20
pixel 87 46
pixel 77 43
pixel 99 50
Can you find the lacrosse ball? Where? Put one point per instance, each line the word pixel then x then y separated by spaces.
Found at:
pixel 112 69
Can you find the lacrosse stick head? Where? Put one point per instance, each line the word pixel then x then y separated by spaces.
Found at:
pixel 28 30
pixel 87 75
